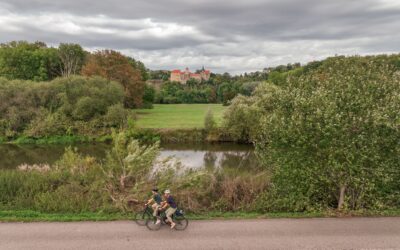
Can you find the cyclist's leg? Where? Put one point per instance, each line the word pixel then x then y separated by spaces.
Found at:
pixel 170 211
pixel 155 207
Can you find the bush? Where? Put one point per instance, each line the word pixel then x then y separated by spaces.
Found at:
pixel 48 124
pixel 75 105
pixel 116 116
pixel 209 121
pixel 331 136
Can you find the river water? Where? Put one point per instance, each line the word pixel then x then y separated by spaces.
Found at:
pixel 190 155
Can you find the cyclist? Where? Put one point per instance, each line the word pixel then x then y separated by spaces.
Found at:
pixel 156 200
pixel 171 204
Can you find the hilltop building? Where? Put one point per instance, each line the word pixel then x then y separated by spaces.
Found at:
pixel 184 76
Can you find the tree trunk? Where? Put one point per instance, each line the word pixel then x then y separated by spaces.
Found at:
pixel 122 182
pixel 341 197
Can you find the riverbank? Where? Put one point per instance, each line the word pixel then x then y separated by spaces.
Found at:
pixel 57 139
pixel 34 216
pixel 165 135
pixel 165 122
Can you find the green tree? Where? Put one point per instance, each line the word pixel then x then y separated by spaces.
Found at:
pixel 28 61
pixel 136 64
pixel 72 57
pixel 332 135
pixel 127 166
pixel 209 121
pixel 148 96
pixel 227 91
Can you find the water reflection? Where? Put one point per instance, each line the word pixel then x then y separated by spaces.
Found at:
pixel 12 155
pixel 212 155
pixel 190 155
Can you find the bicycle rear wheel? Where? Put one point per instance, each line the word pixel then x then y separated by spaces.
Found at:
pixel 141 218
pixel 151 224
pixel 181 222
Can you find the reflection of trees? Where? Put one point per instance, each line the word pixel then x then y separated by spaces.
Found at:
pixel 239 159
pixel 226 156
pixel 210 158
pixel 230 159
pixel 12 155
pixel 15 155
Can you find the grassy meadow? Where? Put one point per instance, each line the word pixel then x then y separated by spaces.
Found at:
pixel 177 115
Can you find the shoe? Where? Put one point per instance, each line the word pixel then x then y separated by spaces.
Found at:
pixel 158 222
pixel 173 225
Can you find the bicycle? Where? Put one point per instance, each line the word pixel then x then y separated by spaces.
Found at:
pixel 178 217
pixel 142 217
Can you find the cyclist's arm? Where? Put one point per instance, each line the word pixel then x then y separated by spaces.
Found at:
pixel 149 201
pixel 163 206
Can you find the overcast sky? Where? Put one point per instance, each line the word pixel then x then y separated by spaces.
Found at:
pixel 225 36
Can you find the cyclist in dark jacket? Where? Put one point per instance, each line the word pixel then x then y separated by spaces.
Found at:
pixel 156 200
pixel 171 204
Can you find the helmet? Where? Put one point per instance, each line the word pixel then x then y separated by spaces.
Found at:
pixel 167 191
pixel 155 190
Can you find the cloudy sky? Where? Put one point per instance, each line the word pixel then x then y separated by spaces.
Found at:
pixel 225 36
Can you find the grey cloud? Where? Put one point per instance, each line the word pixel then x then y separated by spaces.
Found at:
pixel 240 35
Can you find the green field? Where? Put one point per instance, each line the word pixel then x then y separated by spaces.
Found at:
pixel 177 115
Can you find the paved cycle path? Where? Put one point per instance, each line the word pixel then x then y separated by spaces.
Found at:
pixel 318 233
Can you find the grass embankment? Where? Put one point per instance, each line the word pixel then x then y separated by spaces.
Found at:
pixel 178 116
pixel 57 139
pixel 168 122
pixel 33 216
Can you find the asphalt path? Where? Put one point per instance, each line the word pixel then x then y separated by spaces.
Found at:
pixel 318 233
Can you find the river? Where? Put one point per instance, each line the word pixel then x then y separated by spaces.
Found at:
pixel 190 155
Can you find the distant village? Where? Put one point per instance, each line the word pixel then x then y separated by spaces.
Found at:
pixel 180 76
pixel 183 76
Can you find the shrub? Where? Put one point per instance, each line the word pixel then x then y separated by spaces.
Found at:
pixel 74 105
pixel 116 116
pixel 331 135
pixel 209 121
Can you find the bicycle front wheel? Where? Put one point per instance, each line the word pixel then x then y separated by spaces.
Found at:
pixel 181 222
pixel 152 224
pixel 141 218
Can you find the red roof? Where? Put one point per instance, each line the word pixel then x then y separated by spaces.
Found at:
pixel 177 71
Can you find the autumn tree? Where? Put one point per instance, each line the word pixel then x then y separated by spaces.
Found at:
pixel 112 65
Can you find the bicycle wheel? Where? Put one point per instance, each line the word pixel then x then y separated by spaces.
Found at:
pixel 141 218
pixel 152 224
pixel 181 222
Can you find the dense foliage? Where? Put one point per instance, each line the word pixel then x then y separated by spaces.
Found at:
pixel 330 133
pixel 38 62
pixel 202 92
pixel 64 106
pixel 29 61
pixel 112 65
pixel 80 184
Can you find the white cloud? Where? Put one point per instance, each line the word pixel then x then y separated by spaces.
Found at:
pixel 236 37
pixel 99 24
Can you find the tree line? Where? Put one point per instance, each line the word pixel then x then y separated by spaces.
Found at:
pixel 38 62
pixel 206 92
pixel 220 88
